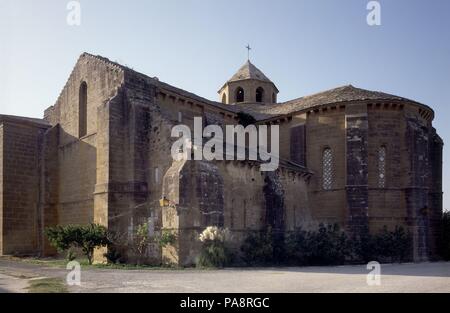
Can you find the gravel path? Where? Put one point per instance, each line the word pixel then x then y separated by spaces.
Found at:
pixel 10 284
pixel 413 277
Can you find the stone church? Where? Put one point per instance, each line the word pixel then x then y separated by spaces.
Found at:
pixel 101 154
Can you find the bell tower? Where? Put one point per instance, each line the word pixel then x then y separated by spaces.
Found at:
pixel 248 85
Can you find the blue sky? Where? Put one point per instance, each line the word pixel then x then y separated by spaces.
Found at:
pixel 303 46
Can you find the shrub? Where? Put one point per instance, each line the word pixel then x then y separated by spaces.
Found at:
pixel 141 241
pixel 401 245
pixel 257 248
pixel 214 252
pixel 393 246
pixel 327 246
pixel 386 246
pixel 166 238
pixel 115 241
pixel 113 255
pixel 86 237
pixel 296 247
pixel 444 238
pixel 71 255
pixel 363 247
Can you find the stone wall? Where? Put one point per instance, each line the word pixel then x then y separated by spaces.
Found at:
pixel 1 187
pixel 435 192
pixel 121 193
pixel 412 191
pixel 49 187
pixel 231 194
pixel 326 129
pixel 21 151
pixel 76 167
pixel 417 140
pixel 387 205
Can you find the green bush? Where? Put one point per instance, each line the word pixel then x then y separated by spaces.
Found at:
pixel 166 238
pixel 86 237
pixel 113 255
pixel 393 246
pixel 327 246
pixel 363 247
pixel 296 247
pixel 115 241
pixel 444 238
pixel 386 246
pixel 71 255
pixel 142 239
pixel 257 248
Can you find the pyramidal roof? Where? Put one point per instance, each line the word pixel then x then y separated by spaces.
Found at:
pixel 249 71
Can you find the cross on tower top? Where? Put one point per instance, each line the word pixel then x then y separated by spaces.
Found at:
pixel 248 51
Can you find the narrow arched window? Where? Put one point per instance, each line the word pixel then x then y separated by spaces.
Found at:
pixel 382 167
pixel 327 168
pixel 239 95
pixel 259 94
pixel 224 98
pixel 82 110
pixel 274 98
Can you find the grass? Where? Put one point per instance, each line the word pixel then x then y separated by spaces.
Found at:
pixel 47 285
pixel 62 263
pixel 135 267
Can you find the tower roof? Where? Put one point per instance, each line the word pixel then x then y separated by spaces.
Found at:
pixel 249 71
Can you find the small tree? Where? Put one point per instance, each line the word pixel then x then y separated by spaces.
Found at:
pixel 166 238
pixel 86 237
pixel 142 239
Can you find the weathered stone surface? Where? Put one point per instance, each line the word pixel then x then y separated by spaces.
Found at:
pixel 116 174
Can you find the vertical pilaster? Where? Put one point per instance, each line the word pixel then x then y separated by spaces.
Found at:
pixel 121 191
pixel 435 193
pixel 356 123
pixel 417 192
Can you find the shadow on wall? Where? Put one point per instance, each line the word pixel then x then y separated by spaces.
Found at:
pixel 69 181
pixel 77 166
